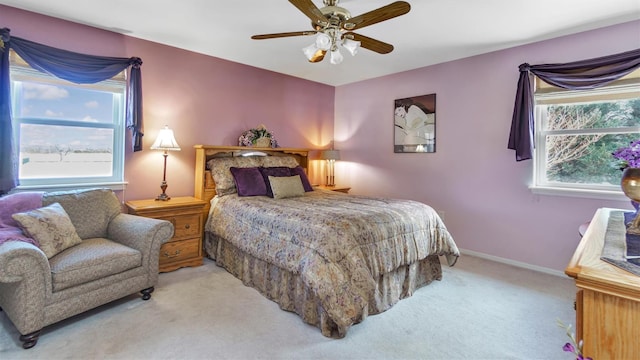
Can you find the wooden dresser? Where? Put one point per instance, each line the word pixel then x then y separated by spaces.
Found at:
pixel 186 215
pixel 607 300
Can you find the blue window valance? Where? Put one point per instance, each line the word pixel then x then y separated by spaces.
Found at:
pixel 71 66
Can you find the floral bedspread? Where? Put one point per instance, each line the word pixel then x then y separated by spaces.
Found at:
pixel 339 244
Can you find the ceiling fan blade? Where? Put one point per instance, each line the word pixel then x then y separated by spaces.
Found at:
pixel 308 8
pixel 369 43
pixel 375 16
pixel 286 34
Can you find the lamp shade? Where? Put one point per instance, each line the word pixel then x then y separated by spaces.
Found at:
pixel 330 155
pixel 166 141
pixel 336 57
pixel 351 46
pixel 323 41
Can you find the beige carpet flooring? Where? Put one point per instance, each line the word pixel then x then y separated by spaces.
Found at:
pixel 480 310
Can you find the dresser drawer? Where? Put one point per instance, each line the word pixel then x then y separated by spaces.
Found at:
pixel 176 251
pixel 186 226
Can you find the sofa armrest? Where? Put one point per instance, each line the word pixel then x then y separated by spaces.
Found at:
pixel 25 284
pixel 141 233
pixel 20 260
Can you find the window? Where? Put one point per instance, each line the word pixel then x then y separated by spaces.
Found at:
pixel 67 134
pixel 576 132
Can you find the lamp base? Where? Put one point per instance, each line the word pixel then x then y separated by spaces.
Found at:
pixel 163 196
pixel 330 181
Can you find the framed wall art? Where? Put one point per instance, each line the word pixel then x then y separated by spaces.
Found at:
pixel 415 124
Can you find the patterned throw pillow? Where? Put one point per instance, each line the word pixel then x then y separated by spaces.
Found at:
pixel 51 227
pixel 286 186
pixel 221 174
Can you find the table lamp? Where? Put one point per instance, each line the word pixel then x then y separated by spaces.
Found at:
pixel 330 156
pixel 166 142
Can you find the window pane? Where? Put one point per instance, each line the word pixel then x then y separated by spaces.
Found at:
pixel 48 151
pixel 45 101
pixel 597 115
pixel 585 159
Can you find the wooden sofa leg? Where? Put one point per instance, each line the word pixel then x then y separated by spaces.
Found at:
pixel 30 340
pixel 146 293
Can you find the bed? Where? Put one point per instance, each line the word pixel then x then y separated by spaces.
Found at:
pixel 332 258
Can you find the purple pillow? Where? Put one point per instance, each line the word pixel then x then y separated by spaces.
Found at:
pixel 298 170
pixel 249 181
pixel 276 171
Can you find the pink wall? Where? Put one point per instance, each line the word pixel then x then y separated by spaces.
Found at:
pixel 472 177
pixel 205 100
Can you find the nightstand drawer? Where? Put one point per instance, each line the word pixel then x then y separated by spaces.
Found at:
pixel 176 251
pixel 185 226
pixel 186 214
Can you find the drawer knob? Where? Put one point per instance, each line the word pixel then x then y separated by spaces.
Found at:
pixel 175 254
pixel 187 226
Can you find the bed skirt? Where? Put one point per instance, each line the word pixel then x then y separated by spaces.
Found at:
pixel 290 292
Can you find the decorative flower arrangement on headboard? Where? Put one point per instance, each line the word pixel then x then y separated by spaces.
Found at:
pixel 258 137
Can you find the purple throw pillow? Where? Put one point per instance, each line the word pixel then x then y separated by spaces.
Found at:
pixel 276 171
pixel 298 170
pixel 249 181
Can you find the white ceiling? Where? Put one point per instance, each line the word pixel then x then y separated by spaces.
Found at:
pixel 434 31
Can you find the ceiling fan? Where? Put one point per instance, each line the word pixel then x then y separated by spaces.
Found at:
pixel 334 28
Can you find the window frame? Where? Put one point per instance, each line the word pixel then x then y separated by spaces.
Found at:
pixel 546 94
pixel 20 71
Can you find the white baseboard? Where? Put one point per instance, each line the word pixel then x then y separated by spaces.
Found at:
pixel 514 263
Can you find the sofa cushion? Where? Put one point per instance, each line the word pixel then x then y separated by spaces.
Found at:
pixel 90 210
pixel 50 226
pixel 93 259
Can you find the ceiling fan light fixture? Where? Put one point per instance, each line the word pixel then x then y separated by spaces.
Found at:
pixel 314 54
pixel 352 46
pixel 323 41
pixel 336 57
pixel 333 25
pixel 310 51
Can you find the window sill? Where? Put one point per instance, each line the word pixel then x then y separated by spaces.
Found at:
pixel 581 193
pixel 64 187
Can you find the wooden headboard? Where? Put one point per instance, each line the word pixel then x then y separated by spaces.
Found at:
pixel 205 188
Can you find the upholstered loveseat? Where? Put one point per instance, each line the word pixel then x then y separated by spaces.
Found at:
pixel 104 255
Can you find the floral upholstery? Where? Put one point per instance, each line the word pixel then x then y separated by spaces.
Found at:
pixel 89 211
pixel 350 252
pixel 118 256
pixel 51 227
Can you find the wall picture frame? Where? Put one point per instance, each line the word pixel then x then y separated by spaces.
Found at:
pixel 414 126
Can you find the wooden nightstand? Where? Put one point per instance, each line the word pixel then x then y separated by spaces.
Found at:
pixel 342 189
pixel 186 215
